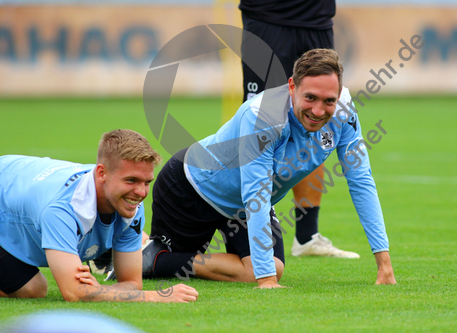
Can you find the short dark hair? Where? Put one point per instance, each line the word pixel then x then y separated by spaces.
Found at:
pixel 318 62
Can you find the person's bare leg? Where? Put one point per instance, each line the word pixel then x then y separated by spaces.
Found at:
pixel 229 267
pixel 307 219
pixel 303 190
pixel 37 287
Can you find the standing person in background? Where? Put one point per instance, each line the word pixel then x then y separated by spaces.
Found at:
pixel 290 28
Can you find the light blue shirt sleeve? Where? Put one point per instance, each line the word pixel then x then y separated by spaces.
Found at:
pixel 353 152
pixel 257 202
pixel 59 229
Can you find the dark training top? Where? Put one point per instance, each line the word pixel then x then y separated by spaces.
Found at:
pixel 315 14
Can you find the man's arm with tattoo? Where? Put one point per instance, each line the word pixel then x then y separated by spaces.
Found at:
pixel 77 284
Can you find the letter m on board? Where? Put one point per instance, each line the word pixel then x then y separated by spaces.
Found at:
pixel 438 44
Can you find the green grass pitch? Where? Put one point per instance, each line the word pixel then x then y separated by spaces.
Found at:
pixel 414 166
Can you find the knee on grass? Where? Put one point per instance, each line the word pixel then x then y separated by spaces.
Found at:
pixel 279 268
pixel 248 273
pixel 37 287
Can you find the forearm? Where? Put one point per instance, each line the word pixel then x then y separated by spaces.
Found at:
pixel 77 284
pixel 119 292
pixel 113 293
pixel 89 293
pixel 383 260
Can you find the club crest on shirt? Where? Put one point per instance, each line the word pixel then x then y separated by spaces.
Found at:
pixel 327 140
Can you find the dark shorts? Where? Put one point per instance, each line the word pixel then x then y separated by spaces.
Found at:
pixel 287 43
pixel 187 223
pixel 14 274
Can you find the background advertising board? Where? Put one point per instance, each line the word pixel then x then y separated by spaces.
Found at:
pixel 55 50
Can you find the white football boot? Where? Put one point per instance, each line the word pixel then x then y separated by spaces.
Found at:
pixel 320 246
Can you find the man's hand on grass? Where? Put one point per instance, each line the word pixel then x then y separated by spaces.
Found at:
pixel 269 282
pixel 385 270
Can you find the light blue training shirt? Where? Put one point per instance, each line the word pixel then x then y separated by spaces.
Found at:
pixel 52 204
pixel 263 151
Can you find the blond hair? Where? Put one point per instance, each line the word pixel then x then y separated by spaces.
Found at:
pixel 124 144
pixel 318 62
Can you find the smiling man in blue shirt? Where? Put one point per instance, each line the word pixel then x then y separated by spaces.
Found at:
pixel 57 214
pixel 230 181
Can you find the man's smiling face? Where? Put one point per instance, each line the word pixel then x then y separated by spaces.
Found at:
pixel 124 187
pixel 314 100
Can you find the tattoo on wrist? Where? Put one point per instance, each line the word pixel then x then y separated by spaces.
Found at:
pixel 103 293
